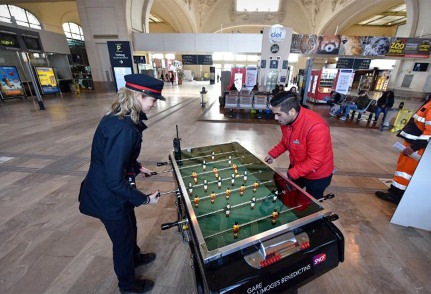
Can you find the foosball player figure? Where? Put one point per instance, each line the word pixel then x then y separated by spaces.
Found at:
pixel 219 183
pixel 229 162
pixel 241 190
pixel 274 216
pixel 212 155
pixel 255 185
pixel 196 201
pixel 274 198
pixel 190 189
pixel 215 170
pixel 233 180
pixel 245 176
pixel 204 165
pixel 252 202
pixel 227 210
pixel 212 197
pixel 235 168
pixel 205 185
pixel 235 230
pixel 227 193
pixel 195 177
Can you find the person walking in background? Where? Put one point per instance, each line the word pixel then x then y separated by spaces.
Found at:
pixel 384 103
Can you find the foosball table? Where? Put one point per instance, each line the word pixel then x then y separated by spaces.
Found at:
pixel 250 229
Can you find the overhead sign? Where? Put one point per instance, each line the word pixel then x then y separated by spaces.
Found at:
pixel 277 33
pixel 17 39
pixel 10 82
pixel 353 63
pixel 119 53
pixel 191 59
pixel 205 59
pixel 47 80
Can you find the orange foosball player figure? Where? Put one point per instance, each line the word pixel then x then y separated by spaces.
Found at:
pixel 227 193
pixel 235 168
pixel 241 190
pixel 196 200
pixel 213 197
pixel 235 230
pixel 255 185
pixel 195 177
pixel 215 170
pixel 274 216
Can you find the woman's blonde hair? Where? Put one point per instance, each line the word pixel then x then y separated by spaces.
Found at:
pixel 126 103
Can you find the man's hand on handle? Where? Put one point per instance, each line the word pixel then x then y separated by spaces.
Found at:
pixel 154 198
pixel 408 151
pixel 145 172
pixel 269 159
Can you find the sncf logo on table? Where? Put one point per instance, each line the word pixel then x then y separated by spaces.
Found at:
pixel 319 258
pixel 277 33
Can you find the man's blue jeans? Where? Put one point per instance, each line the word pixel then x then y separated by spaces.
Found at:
pixel 346 109
pixel 380 110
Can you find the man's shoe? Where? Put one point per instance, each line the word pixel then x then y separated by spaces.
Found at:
pixel 141 286
pixel 387 197
pixel 332 114
pixel 343 118
pixel 143 259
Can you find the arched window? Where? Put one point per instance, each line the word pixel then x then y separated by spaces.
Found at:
pixel 22 16
pixel 73 31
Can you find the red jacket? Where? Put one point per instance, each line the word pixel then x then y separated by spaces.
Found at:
pixel 308 141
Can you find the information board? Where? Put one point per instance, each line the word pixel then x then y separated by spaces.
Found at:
pixel 47 80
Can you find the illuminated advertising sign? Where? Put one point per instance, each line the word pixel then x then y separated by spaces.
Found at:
pixel 10 82
pixel 47 80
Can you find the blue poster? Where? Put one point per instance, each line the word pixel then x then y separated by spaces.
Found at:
pixel 10 82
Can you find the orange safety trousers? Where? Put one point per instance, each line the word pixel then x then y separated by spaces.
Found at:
pixel 406 166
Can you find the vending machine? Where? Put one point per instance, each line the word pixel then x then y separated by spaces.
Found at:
pixel 322 83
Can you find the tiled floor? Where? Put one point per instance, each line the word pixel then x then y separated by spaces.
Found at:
pixel 47 246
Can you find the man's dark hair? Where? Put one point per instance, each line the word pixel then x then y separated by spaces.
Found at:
pixel 361 92
pixel 286 101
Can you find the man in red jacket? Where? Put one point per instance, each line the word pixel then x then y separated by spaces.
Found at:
pixel 307 138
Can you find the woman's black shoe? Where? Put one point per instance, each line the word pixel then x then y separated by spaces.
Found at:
pixel 143 259
pixel 141 286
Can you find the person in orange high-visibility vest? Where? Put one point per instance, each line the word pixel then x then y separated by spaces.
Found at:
pixel 416 135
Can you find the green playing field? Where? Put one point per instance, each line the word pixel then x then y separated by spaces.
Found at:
pixel 216 227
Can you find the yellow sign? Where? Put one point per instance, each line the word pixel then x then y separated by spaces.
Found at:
pixel 402 119
pixel 47 80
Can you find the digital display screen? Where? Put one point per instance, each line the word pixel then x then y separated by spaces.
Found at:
pixel 32 43
pixel 9 40
pixel 420 66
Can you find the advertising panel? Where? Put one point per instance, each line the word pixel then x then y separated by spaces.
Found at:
pixel 351 45
pixel 304 44
pixel 409 47
pixel 343 81
pixel 10 82
pixel 329 44
pixel 47 80
pixel 376 46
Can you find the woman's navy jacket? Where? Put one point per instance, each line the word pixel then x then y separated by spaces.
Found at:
pixel 105 192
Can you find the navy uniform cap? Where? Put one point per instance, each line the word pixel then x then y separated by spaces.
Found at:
pixel 145 84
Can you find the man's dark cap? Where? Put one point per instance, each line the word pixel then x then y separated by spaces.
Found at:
pixel 145 84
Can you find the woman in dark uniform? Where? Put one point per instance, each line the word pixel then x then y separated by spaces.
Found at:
pixel 108 191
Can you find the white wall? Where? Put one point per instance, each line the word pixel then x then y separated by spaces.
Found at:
pixel 195 43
